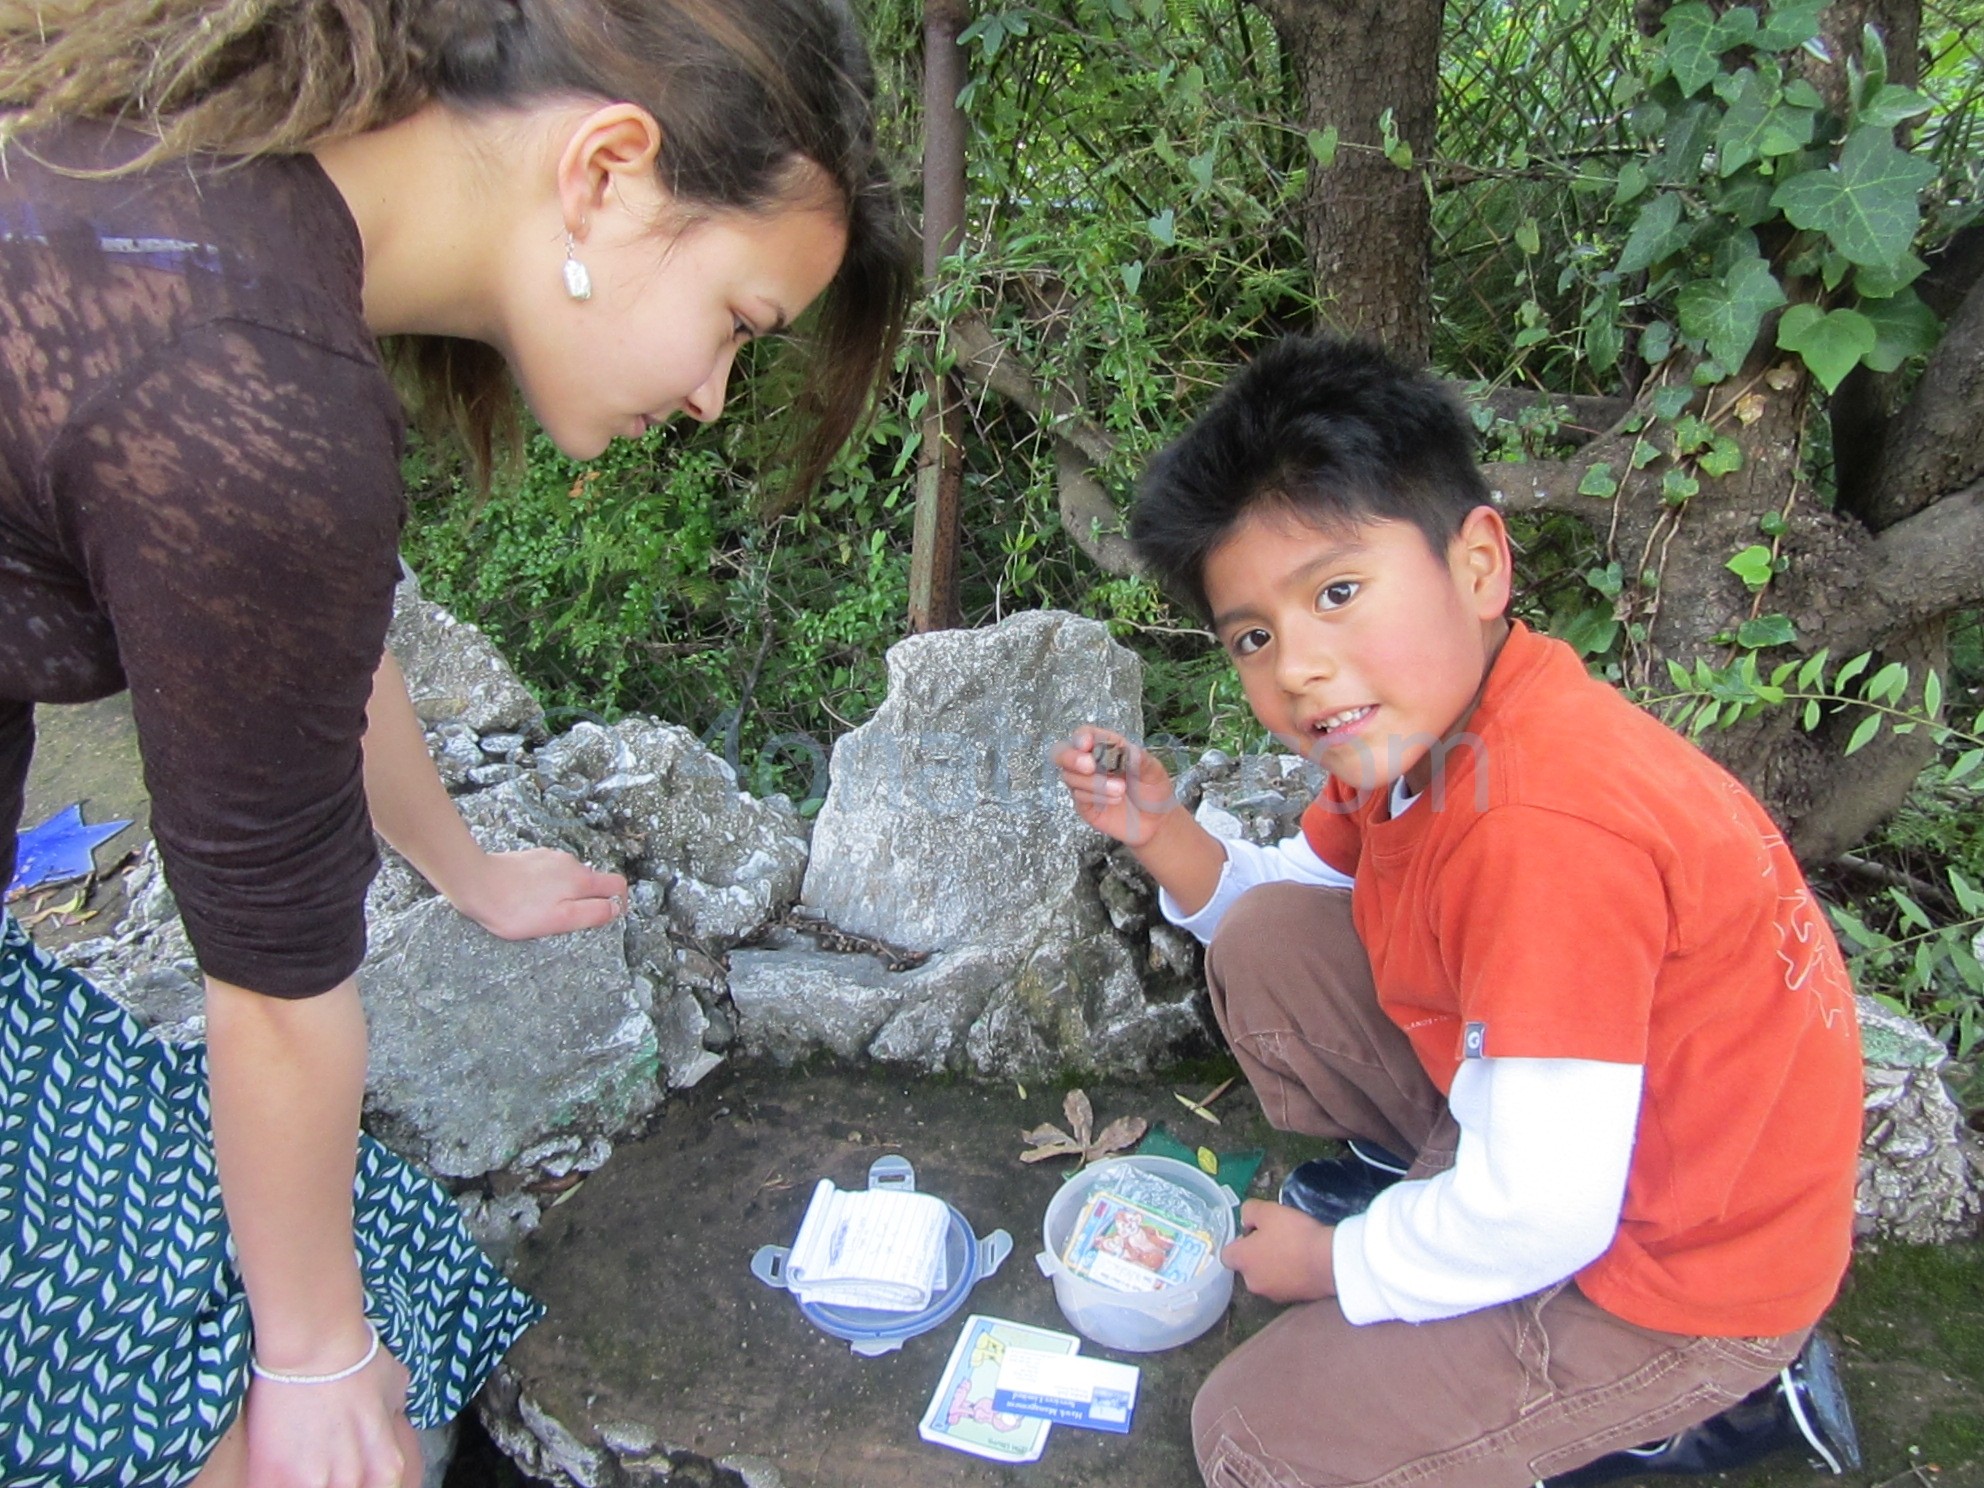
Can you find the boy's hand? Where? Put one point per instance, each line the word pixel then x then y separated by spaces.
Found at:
pixel 1129 803
pixel 1283 1254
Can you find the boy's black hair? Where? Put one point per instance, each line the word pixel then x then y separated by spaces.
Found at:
pixel 1333 430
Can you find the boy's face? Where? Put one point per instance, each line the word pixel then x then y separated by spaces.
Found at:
pixel 1360 648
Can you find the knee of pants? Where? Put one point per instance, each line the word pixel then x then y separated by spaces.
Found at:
pixel 1219 1414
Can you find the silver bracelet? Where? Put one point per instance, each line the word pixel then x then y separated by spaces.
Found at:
pixel 276 1376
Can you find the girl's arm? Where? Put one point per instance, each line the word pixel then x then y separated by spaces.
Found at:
pixel 287 1076
pixel 515 895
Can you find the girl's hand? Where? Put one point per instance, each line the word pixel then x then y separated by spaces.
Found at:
pixel 349 1434
pixel 1283 1254
pixel 1130 805
pixel 539 891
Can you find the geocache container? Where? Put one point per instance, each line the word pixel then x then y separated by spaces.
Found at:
pixel 870 1331
pixel 1138 1322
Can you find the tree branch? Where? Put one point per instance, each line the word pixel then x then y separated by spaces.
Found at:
pixel 1548 485
pixel 1087 512
pixel 1936 443
pixel 1581 416
pixel 1922 567
pixel 989 363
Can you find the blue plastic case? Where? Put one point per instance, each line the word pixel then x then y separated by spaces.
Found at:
pixel 870 1332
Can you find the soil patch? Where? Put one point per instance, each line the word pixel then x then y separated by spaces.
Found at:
pixel 655 1318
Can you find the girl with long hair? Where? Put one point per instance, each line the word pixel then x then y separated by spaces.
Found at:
pixel 210 216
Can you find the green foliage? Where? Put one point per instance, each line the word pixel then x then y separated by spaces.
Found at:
pixel 646 582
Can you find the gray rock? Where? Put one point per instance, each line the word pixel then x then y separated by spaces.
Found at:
pixel 483 1047
pixel 454 672
pixel 437 1453
pixel 946 824
pixel 499 1222
pixel 147 964
pixel 722 862
pixel 947 830
pixel 792 1001
pixel 682 1030
pixel 1217 820
pixel 1920 1169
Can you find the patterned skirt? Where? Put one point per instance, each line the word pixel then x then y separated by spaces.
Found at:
pixel 124 1330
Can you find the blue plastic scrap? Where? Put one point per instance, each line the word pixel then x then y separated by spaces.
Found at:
pixel 58 850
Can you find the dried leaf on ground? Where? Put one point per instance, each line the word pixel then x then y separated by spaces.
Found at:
pixel 1048 1140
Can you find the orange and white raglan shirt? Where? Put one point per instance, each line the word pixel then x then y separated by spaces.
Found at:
pixel 1604 953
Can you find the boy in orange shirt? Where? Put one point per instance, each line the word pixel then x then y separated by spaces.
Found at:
pixel 1577 983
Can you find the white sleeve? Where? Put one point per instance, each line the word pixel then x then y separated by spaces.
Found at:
pixel 1534 1194
pixel 1290 860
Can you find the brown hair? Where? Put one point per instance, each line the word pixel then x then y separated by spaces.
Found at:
pixel 747 93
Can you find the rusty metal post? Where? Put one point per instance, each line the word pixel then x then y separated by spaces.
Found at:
pixel 933 564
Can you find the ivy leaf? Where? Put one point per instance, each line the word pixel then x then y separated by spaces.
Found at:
pixel 1656 344
pixel 1590 632
pixel 1891 105
pixel 1903 327
pixel 1874 59
pixel 1739 27
pixel 1885 281
pixel 1603 340
pixel 1528 238
pixel 1723 457
pixel 1677 486
pixel 1671 402
pixel 1632 181
pixel 1866 204
pixel 1727 313
pixel 1831 341
pixel 1752 566
pixel 1599 481
pixel 1322 145
pixel 1691 36
pixel 1164 227
pixel 1757 126
pixel 1789 26
pixel 1744 200
pixel 1688 136
pixel 1766 630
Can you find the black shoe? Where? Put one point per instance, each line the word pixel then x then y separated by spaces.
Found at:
pixel 1377 1158
pixel 1805 1407
pixel 1332 1189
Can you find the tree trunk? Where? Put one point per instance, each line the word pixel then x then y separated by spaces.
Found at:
pixel 1368 224
pixel 933 562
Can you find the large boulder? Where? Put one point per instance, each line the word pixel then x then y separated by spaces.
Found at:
pixel 946 823
pixel 509 1069
pixel 454 673
pixel 946 832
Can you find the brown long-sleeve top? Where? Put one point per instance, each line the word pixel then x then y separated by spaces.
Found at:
pixel 200 500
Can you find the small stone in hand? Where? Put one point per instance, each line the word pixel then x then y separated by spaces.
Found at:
pixel 1109 758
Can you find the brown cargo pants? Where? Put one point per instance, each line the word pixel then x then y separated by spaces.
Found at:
pixel 1498 1398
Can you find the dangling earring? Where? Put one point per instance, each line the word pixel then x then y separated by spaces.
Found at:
pixel 578 283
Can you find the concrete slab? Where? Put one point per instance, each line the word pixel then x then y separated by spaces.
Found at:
pixel 656 1321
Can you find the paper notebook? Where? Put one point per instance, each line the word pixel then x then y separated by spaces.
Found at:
pixel 871 1248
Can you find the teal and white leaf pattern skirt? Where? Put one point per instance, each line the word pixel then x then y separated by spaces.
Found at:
pixel 124 1331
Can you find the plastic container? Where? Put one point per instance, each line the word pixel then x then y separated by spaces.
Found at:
pixel 1138 1322
pixel 869 1331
